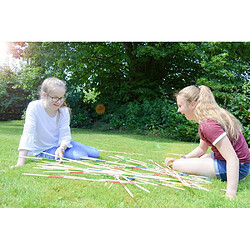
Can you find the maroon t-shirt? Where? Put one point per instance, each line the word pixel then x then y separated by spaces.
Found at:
pixel 211 132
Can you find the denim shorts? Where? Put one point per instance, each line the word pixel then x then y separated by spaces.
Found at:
pixel 221 169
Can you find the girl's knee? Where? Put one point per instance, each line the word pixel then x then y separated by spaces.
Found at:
pixel 175 164
pixel 94 153
pixel 84 150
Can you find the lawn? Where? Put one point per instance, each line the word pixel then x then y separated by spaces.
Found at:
pixel 19 191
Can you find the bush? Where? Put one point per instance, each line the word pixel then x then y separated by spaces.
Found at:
pixel 240 107
pixel 12 103
pixel 158 117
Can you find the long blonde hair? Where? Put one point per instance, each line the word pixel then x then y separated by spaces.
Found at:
pixel 207 108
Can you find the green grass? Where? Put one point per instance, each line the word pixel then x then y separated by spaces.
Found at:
pixel 17 190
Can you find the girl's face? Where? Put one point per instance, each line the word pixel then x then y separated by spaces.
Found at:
pixel 186 108
pixel 55 98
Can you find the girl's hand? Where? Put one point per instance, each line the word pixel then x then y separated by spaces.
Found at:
pixel 21 159
pixel 59 153
pixel 17 165
pixel 230 195
pixel 169 161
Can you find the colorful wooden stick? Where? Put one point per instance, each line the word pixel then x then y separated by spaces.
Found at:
pixel 137 185
pixel 125 187
pixel 133 172
pixel 76 178
pixel 127 153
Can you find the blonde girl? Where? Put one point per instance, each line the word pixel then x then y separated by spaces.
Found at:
pixel 47 126
pixel 218 129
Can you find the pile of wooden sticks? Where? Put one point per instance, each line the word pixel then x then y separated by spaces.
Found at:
pixel 121 170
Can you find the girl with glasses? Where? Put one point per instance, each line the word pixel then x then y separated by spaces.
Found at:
pixel 47 127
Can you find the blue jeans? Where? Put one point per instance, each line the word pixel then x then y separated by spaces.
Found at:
pixel 220 168
pixel 74 152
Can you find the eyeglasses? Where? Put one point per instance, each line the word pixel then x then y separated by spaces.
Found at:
pixel 56 99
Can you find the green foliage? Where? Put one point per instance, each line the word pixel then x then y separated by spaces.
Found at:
pixel 240 107
pixel 13 100
pixel 119 71
pixel 79 109
pixel 158 117
pixel 123 76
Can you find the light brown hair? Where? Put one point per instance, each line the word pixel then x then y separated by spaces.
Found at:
pixel 207 108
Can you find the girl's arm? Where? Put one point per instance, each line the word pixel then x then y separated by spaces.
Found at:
pixel 64 133
pixel 227 151
pixel 21 160
pixel 199 151
pixel 196 153
pixel 64 130
pixel 27 139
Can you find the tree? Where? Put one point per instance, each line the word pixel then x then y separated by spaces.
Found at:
pixel 120 72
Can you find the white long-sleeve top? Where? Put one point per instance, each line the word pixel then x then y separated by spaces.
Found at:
pixel 42 132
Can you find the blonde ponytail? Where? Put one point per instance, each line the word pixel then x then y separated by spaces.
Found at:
pixel 207 108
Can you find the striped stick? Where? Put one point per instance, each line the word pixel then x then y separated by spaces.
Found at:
pixel 124 187
pixel 75 178
pixel 145 181
pixel 31 157
pixel 137 185
pixel 176 175
pixel 115 173
pixel 155 175
pixel 127 153
pixel 43 159
pixel 109 162
pixel 144 165
pixel 109 173
pixel 86 171
pixel 76 161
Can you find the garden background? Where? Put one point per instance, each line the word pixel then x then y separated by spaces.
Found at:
pixel 134 82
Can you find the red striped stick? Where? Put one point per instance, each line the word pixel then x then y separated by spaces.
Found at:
pixel 76 178
pixel 125 187
pixel 137 185
pixel 175 174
